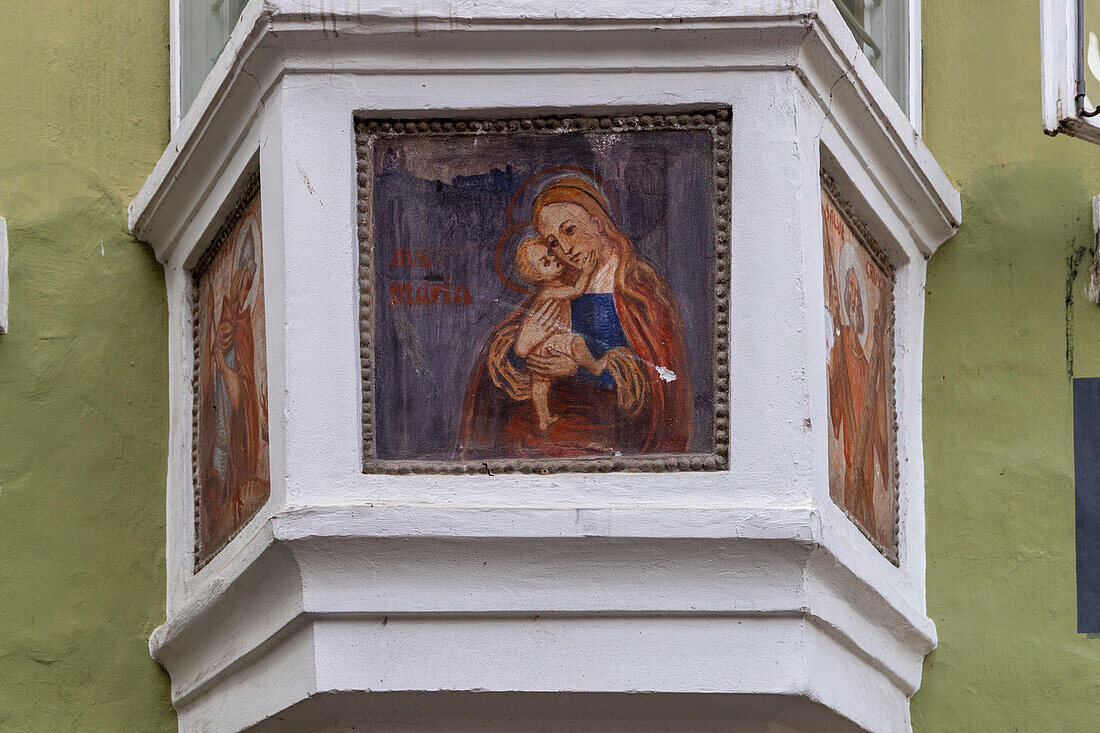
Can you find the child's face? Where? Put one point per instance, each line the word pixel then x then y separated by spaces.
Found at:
pixel 544 263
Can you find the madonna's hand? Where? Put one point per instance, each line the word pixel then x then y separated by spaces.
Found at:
pixel 551 366
pixel 537 327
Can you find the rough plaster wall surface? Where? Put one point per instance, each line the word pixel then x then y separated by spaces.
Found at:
pixel 83 378
pixel 1007 325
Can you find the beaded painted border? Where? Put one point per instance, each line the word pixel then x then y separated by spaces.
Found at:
pixel 251 190
pixel 883 260
pixel 715 120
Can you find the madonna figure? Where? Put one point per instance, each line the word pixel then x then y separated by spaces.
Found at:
pixel 640 402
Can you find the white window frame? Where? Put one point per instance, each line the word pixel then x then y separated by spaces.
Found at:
pixel 916 68
pixel 913 92
pixel 1061 71
pixel 175 55
pixel 174 39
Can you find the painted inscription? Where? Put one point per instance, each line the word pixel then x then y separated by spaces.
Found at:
pixel 543 296
pixel 234 471
pixel 858 290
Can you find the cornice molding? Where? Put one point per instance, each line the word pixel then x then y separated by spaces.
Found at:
pixel 776 565
pixel 807 37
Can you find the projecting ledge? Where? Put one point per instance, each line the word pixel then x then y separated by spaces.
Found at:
pixel 791 523
pixel 399 600
pixel 492 712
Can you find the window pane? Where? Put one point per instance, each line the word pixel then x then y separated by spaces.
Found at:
pixel 205 26
pixel 1090 39
pixel 882 29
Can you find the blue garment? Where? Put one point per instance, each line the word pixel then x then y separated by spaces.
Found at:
pixel 595 318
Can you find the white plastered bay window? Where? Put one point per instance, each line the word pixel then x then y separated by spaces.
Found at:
pixel 739 586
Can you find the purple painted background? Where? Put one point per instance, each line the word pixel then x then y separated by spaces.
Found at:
pixel 447 196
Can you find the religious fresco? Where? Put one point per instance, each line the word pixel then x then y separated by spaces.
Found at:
pixel 233 478
pixel 542 296
pixel 859 303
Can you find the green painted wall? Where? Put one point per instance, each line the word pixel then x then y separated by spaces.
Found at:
pixel 1006 326
pixel 83 371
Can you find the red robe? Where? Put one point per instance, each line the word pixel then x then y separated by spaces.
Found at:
pixel 227 498
pixel 235 334
pixel 859 480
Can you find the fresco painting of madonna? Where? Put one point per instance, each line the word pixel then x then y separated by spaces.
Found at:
pixel 544 296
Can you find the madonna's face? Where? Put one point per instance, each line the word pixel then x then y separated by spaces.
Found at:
pixel 571 231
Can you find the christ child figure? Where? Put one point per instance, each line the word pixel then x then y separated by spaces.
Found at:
pixel 536 264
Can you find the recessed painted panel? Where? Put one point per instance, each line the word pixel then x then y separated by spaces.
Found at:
pixel 545 293
pixel 859 310
pixel 231 445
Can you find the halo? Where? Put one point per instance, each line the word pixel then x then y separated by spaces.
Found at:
pixel 849 260
pixel 523 201
pixel 510 241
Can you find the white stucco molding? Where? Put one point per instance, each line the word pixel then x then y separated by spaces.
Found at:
pixel 510 36
pixel 352 595
pixel 539 584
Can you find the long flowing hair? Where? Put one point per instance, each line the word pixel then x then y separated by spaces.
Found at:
pixel 634 278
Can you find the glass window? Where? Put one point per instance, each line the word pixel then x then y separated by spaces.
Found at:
pixel 882 29
pixel 205 26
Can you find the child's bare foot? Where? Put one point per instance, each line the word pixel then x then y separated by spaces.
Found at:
pixel 545 423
